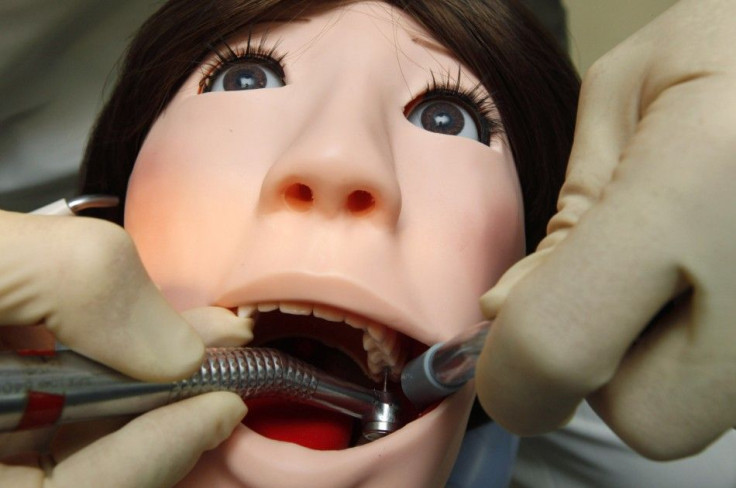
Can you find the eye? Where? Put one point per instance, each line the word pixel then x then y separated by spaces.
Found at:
pixel 246 74
pixel 445 116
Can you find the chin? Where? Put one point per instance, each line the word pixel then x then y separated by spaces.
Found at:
pixel 286 444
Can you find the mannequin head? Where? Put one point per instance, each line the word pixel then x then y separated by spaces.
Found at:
pixel 341 185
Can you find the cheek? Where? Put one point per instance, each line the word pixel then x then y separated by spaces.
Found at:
pixel 491 232
pixel 192 179
pixel 468 213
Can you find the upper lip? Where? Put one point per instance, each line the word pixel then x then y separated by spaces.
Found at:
pixel 329 291
pixel 388 353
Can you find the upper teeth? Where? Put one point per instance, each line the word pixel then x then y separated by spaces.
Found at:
pixel 380 343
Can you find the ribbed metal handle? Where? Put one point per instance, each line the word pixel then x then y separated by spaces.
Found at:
pixel 250 373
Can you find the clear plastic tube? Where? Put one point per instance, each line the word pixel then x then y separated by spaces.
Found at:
pixel 454 362
pixel 444 368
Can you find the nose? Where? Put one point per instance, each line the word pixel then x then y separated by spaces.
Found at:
pixel 338 164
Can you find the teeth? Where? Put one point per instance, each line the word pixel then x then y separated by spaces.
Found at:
pixel 382 345
pixel 383 349
pixel 375 360
pixel 389 342
pixel 357 322
pixel 377 331
pixel 331 314
pixel 381 360
pixel 369 344
pixel 295 308
pixel 246 311
pixel 268 307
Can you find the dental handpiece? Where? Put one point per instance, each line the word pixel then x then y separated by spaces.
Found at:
pixel 77 204
pixel 63 386
pixel 444 368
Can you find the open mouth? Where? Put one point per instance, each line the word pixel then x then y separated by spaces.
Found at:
pixel 342 344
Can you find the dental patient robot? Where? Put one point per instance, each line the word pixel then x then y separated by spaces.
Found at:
pixel 349 176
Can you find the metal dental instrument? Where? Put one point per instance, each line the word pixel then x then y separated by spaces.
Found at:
pixel 444 368
pixel 41 390
pixel 77 204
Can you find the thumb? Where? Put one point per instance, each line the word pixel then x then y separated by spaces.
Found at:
pixel 156 449
pixel 82 278
pixel 606 122
pixel 510 380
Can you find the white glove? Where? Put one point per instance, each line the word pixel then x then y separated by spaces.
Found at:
pixel 647 214
pixel 83 279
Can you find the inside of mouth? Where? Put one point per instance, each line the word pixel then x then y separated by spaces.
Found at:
pixel 286 420
pixel 331 347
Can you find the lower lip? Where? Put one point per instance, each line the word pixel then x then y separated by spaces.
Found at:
pixel 254 460
pixel 427 414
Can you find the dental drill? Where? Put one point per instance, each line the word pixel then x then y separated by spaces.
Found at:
pixel 444 368
pixel 38 390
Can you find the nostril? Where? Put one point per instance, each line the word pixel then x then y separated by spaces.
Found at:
pixel 360 201
pixel 299 196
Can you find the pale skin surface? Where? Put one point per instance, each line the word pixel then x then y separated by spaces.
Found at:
pixel 210 211
pixel 646 212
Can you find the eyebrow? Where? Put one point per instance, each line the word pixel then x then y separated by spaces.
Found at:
pixel 439 49
pixel 271 24
pixel 303 20
pixel 431 45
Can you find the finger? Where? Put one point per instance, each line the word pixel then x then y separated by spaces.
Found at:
pixel 83 279
pixel 519 365
pixel 607 118
pixel 220 327
pixel 672 395
pixel 571 321
pixel 25 441
pixel 71 438
pixel 564 329
pixel 155 449
pixel 21 476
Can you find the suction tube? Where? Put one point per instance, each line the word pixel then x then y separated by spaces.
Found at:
pixel 42 390
pixel 444 368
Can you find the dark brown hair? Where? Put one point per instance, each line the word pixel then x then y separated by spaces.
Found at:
pixel 531 81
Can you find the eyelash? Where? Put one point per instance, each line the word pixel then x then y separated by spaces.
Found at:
pixel 477 100
pixel 228 56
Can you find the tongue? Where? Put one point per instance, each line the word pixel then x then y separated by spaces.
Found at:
pixel 305 425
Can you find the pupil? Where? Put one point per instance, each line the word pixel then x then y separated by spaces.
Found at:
pixel 244 78
pixel 443 118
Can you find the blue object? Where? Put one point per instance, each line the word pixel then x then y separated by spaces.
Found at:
pixel 486 458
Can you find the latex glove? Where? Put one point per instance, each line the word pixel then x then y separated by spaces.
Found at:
pixel 647 214
pixel 82 278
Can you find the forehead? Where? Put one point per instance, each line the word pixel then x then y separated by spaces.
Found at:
pixel 362 32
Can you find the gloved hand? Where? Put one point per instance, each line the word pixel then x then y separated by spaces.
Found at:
pixel 647 215
pixel 82 278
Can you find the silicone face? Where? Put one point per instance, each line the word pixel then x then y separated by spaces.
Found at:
pixel 330 175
